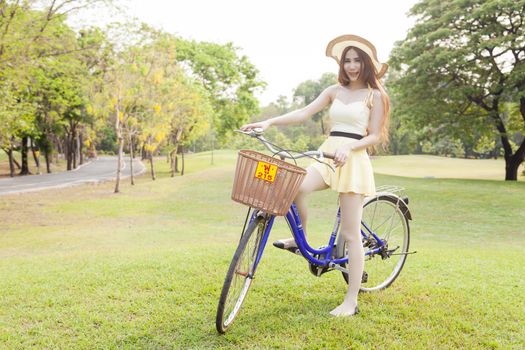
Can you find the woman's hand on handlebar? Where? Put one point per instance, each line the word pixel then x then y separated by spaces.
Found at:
pixel 341 155
pixel 261 125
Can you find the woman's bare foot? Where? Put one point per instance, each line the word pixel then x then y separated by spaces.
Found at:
pixel 345 309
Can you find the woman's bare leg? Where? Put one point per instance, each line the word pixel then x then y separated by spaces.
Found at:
pixel 351 213
pixel 313 181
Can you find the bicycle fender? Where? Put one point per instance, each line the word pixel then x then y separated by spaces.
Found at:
pixel 394 200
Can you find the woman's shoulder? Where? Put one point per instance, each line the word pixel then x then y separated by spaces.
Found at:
pixel 334 89
pixel 331 91
pixel 376 92
pixel 376 98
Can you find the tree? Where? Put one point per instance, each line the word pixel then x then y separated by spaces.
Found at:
pixel 38 68
pixel 458 67
pixel 229 80
pixel 97 56
pixel 179 101
pixel 16 119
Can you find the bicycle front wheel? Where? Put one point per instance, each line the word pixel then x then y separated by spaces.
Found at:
pixel 240 274
pixel 388 220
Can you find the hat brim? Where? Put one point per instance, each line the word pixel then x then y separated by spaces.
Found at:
pixel 337 46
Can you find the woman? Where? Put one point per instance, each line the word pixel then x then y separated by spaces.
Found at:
pixel 359 117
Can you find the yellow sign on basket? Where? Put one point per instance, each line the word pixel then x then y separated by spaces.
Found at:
pixel 266 171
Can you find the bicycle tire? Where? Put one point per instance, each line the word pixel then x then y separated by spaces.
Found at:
pixel 232 297
pixel 382 272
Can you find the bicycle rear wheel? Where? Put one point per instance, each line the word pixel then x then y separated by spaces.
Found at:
pixel 384 216
pixel 240 274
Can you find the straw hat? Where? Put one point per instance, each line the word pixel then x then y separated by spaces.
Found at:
pixel 336 47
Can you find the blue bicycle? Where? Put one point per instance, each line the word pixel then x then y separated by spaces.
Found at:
pixel 385 234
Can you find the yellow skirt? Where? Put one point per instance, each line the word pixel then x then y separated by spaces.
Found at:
pixel 356 175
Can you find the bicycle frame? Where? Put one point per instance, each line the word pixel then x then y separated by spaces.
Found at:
pixel 294 223
pixel 331 257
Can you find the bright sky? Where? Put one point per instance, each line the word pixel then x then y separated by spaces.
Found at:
pixel 284 39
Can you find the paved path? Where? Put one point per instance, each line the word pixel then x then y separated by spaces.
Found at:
pixel 101 169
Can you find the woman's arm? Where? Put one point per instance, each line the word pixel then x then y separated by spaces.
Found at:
pixel 299 115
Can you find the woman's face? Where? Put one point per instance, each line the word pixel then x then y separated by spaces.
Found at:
pixel 352 65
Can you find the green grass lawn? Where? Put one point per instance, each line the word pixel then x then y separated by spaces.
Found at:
pixel 442 167
pixel 83 268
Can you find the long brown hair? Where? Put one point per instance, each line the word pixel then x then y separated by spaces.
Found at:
pixel 368 74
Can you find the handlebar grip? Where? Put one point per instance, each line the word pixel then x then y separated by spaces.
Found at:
pixel 328 155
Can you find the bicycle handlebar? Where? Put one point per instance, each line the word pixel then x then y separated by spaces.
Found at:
pixel 258 134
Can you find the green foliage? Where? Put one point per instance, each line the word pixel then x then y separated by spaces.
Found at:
pixel 485 145
pixel 159 105
pixel 459 66
pixel 229 80
pixel 444 146
pixel 43 75
pixel 65 84
pixel 107 140
pixel 16 109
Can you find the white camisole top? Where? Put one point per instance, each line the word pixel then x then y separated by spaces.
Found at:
pixel 352 117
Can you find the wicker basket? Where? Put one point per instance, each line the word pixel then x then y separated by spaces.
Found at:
pixel 266 183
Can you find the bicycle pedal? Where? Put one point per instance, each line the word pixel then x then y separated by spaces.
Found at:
pixel 293 250
pixel 364 278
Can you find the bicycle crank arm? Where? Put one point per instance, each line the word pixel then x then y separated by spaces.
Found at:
pixel 338 267
pixel 407 253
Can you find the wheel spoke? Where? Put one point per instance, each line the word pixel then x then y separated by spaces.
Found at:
pixel 240 274
pixel 383 216
pixel 378 226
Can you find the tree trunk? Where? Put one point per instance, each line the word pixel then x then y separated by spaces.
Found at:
pixel 173 155
pixel 130 146
pixel 143 153
pixel 151 165
pixel 120 139
pixel 513 162
pixel 11 163
pixel 176 139
pixel 511 170
pixel 80 153
pixel 59 146
pixel 56 155
pixel 46 146
pixel 174 166
pixel 119 161
pixel 67 151
pixel 48 161
pixel 74 147
pixel 36 156
pixel 182 155
pixel 23 151
pixel 18 166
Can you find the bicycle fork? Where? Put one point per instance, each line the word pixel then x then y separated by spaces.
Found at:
pixel 268 224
